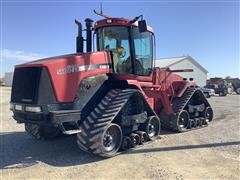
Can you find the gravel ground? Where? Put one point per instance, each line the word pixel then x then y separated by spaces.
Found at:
pixel 207 153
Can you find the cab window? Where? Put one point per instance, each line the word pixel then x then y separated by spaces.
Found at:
pixel 143 45
pixel 115 39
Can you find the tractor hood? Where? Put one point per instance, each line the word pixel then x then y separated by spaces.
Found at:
pixel 78 59
pixel 64 72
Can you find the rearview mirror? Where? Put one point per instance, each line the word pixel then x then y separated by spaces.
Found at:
pixel 142 26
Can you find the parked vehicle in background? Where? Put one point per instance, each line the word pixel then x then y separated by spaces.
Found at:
pixel 223 87
pixel 207 92
pixel 219 85
pixel 235 82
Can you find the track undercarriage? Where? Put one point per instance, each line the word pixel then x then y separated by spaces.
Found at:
pixel 192 110
pixel 123 120
pixel 113 124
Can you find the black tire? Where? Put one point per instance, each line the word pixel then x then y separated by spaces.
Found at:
pixel 190 124
pixel 135 138
pixel 143 136
pixel 152 127
pixel 126 143
pixel 182 121
pixel 42 132
pixel 106 143
pixel 208 114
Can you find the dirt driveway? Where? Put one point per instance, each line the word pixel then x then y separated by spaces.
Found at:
pixel 208 153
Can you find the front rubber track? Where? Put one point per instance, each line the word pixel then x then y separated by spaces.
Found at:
pixel 42 132
pixel 93 127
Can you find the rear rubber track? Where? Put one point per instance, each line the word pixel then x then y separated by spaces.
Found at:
pixel 179 105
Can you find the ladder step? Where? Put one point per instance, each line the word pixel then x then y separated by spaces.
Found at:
pixel 69 132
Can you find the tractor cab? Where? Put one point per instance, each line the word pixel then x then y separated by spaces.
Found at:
pixel 130 44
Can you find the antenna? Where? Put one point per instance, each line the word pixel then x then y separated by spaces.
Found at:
pixel 101 8
pixel 101 12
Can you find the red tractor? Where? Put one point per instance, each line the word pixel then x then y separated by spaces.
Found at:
pixel 112 97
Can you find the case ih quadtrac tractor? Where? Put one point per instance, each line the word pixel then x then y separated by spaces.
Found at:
pixel 113 97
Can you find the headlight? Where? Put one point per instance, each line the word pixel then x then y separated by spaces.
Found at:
pixel 33 109
pixel 109 21
pixel 18 107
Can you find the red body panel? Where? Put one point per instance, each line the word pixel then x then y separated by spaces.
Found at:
pixel 66 72
pixel 159 88
pixel 118 22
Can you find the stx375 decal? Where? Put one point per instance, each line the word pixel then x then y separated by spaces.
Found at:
pixel 76 68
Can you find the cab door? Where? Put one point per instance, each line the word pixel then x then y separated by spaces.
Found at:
pixel 142 45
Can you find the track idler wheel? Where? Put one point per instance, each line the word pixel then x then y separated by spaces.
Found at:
pixel 208 115
pixel 135 139
pixel 110 140
pixel 126 143
pixel 143 136
pixel 182 121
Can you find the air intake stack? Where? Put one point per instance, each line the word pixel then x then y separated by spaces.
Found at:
pixel 89 22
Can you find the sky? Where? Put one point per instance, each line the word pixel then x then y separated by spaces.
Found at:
pixel 206 30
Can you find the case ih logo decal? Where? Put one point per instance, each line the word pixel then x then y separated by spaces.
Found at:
pixel 76 68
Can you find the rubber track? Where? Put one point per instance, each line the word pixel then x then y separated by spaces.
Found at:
pixel 33 130
pixel 98 120
pixel 178 105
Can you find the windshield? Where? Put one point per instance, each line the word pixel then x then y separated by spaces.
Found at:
pixel 116 40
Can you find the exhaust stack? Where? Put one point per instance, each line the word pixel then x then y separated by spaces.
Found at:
pixel 79 39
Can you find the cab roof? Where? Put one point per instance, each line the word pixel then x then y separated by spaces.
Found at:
pixel 117 22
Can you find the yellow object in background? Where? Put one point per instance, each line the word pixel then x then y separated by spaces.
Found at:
pixel 120 50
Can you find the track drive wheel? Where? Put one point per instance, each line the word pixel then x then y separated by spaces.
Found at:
pixel 152 127
pixel 182 121
pixel 42 132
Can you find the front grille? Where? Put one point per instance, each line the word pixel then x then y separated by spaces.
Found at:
pixel 25 84
pixel 32 85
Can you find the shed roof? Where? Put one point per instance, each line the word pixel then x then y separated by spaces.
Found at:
pixel 168 62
